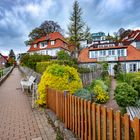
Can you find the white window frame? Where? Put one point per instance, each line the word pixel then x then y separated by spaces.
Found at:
pixel 35 45
pixel 131 67
pixel 52 42
pixel 43 45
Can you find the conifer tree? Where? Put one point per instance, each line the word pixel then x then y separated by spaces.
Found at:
pixel 76 29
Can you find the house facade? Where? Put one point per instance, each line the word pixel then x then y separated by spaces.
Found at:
pixel 133 38
pixel 49 45
pixel 128 56
pixel 3 61
pixel 99 36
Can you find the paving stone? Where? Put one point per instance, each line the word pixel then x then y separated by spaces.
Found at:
pixel 17 119
pixel 39 138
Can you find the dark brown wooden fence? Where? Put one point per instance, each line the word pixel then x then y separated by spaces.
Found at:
pixel 90 121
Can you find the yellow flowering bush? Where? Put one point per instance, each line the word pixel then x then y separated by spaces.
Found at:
pixel 101 95
pixel 60 78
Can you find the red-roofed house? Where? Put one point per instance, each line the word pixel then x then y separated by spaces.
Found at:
pixel 132 39
pixel 129 56
pixel 49 44
pixel 3 61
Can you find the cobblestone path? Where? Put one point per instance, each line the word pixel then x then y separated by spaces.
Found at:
pixel 17 119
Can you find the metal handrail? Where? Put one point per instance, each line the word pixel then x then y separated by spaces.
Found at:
pixel 4 71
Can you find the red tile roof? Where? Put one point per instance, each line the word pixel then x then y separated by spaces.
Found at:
pixel 51 36
pixel 84 56
pixel 59 42
pixel 5 57
pixel 133 54
pixel 134 35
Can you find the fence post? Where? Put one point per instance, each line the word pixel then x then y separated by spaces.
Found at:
pixel 136 122
pixel 66 108
pixel 118 125
pixel 111 124
pixel 126 127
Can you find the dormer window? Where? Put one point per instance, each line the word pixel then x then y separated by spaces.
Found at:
pixel 43 44
pixel 52 42
pixel 35 45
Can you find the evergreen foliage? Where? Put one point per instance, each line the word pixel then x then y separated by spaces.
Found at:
pixel 77 29
pixel 62 55
pixel 125 95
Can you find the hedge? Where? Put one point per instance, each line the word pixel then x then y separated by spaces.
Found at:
pixel 41 66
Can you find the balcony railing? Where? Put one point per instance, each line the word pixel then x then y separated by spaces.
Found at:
pixel 108 58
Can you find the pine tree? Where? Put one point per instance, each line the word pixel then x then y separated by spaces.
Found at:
pixel 88 35
pixel 77 29
pixel 12 54
pixel 76 26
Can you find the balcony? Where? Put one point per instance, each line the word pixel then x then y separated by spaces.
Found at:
pixel 108 58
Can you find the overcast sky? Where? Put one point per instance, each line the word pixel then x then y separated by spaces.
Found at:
pixel 19 17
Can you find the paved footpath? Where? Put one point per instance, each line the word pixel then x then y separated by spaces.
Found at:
pixel 112 102
pixel 18 121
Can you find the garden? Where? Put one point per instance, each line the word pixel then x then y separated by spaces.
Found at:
pixel 63 74
pixel 127 92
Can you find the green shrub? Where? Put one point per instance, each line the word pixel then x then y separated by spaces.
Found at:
pixel 101 95
pixel 107 82
pixel 41 66
pixel 138 102
pixel 123 110
pixel 117 70
pixel 84 93
pixel 31 60
pixel 101 84
pixel 60 78
pixel 83 70
pixel 104 70
pixel 127 77
pixel 135 82
pixel 62 55
pixel 125 95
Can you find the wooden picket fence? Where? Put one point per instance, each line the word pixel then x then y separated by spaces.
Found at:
pixel 90 121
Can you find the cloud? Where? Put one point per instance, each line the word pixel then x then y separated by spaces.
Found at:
pixel 19 17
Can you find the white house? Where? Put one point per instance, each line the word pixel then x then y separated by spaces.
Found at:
pixel 128 56
pixel 49 45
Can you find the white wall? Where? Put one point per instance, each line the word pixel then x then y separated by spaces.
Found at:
pixel 51 52
pixel 111 66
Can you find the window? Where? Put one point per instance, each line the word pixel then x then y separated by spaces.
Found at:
pixel 133 67
pixel 113 52
pixel 93 54
pixel 35 45
pixel 101 53
pixel 119 52
pixel 43 44
pixel 52 42
pixel 109 52
pixel 104 52
pixel 122 52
